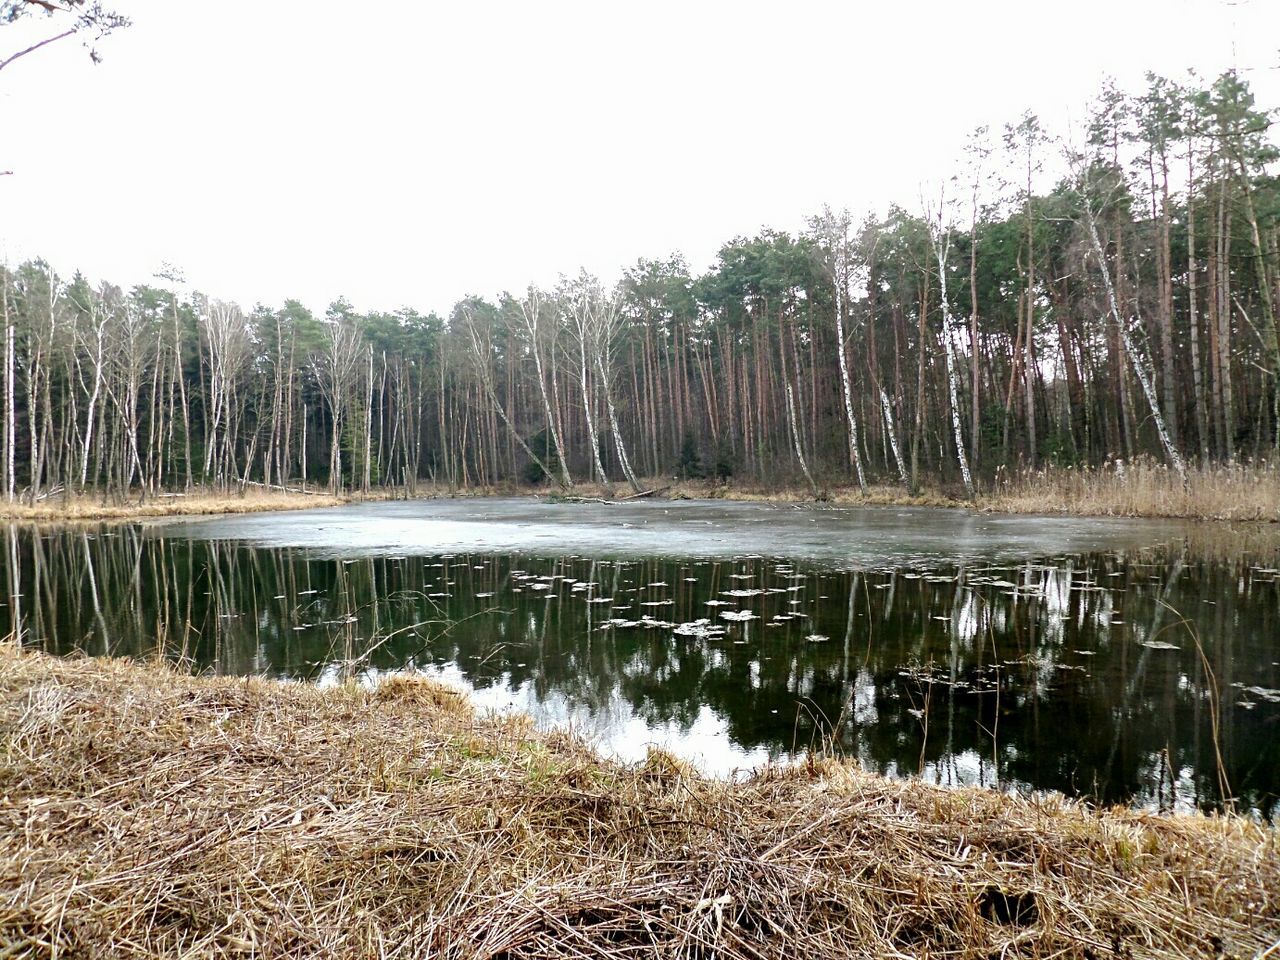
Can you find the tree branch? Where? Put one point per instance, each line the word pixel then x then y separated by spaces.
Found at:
pixel 31 49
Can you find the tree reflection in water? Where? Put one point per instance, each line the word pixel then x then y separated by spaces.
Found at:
pixel 1076 673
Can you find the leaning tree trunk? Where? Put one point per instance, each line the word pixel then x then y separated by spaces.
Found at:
pixel 1141 366
pixel 795 437
pixel 479 356
pixel 623 459
pixel 887 407
pixel 531 315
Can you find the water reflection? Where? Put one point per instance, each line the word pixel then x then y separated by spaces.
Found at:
pixel 1083 673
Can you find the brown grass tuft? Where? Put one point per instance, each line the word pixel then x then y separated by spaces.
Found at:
pixel 420 692
pixel 145 813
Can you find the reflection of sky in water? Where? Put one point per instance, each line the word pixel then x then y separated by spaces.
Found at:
pixel 1065 672
pixel 612 728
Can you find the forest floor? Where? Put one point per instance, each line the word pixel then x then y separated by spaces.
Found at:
pixel 147 813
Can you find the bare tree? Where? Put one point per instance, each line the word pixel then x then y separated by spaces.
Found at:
pixel 535 327
pixel 832 232
pixel 480 343
pixel 67 18
pixel 580 308
pixel 606 321
pixel 336 373
pixel 940 237
pixel 1125 326
pixel 226 331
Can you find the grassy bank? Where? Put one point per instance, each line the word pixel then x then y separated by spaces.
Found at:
pixel 144 813
pixel 91 507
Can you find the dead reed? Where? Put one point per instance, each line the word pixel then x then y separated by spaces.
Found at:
pixel 146 813
pixel 1145 488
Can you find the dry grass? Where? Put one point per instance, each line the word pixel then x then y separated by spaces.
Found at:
pixel 77 507
pixel 876 495
pixel 1145 488
pixel 144 813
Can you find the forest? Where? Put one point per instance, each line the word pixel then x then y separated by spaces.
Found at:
pixel 1069 299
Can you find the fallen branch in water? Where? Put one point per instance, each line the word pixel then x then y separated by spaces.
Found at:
pixel 276 486
pixel 644 493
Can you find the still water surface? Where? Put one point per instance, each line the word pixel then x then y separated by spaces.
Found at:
pixel 1093 657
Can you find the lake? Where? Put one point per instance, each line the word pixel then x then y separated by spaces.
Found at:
pixel 1119 660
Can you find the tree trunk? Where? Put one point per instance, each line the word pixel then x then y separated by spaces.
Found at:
pixel 1137 360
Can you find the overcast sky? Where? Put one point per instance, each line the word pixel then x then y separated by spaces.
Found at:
pixel 411 153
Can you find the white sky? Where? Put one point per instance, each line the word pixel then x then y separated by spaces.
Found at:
pixel 413 152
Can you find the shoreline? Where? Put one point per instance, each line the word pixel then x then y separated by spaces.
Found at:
pixel 91 508
pixel 147 812
pixel 1228 494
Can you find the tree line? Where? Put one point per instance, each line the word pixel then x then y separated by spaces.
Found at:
pixel 1069 301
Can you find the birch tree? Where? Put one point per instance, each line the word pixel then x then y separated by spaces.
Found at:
pixel 581 319
pixel 533 319
pixel 605 323
pixel 480 350
pixel 940 237
pixel 337 370
pixel 832 232
pixel 226 331
pixel 1126 326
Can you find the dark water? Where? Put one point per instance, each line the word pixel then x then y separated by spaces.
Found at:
pixel 1024 653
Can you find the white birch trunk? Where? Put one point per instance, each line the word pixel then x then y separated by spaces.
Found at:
pixel 832 230
pixel 855 456
pixel 587 405
pixel 604 324
pixel 580 310
pixel 795 437
pixel 892 432
pixel 940 245
pixel 1137 359
pixel 368 428
pixel 480 352
pixel 623 460
pixel 531 314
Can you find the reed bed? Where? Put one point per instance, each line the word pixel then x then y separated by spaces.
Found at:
pixel 145 813
pixel 1145 488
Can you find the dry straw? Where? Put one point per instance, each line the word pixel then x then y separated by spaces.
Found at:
pixel 77 507
pixel 146 813
pixel 1145 488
